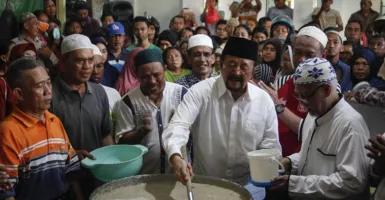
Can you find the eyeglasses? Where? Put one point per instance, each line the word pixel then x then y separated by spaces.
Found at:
pixel 244 68
pixel 306 98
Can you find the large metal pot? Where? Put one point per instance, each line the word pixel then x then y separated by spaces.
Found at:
pixel 134 180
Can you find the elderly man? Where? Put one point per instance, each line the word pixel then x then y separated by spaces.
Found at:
pixel 34 147
pixel 201 57
pixel 334 48
pixel 116 56
pixel 310 43
pixel 231 25
pixel 141 28
pixel 280 8
pixel 29 32
pixel 89 24
pixel 332 163
pixel 82 106
pixel 366 15
pixel 143 112
pixel 229 118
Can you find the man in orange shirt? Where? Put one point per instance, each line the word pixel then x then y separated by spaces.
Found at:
pixel 34 147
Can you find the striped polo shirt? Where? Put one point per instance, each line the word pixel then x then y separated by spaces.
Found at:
pixel 37 156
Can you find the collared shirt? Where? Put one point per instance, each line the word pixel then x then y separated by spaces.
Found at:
pixel 343 76
pixel 190 80
pixel 113 67
pixel 332 163
pixel 365 20
pixel 37 156
pixel 224 129
pixel 330 18
pixel 86 119
pixel 274 11
pixel 130 112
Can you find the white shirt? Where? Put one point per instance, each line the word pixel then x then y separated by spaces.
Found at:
pixel 223 130
pixel 129 119
pixel 113 97
pixel 332 163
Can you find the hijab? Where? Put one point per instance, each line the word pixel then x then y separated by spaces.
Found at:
pixel 19 50
pixel 370 57
pixel 127 79
pixel 276 63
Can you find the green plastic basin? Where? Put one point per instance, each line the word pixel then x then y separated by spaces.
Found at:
pixel 116 161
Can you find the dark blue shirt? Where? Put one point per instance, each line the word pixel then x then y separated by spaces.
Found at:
pixel 344 78
pixel 113 67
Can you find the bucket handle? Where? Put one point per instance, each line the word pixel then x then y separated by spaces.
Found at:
pixel 141 147
pixel 282 170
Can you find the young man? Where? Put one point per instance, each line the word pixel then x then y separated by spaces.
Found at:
pixel 221 29
pixel 34 146
pixel 280 8
pixel 332 163
pixel 334 48
pixel 167 38
pixel 116 56
pixel 89 24
pixel 144 111
pixel 327 17
pixel 353 33
pixel 228 115
pixel 377 44
pixel 107 18
pixel 141 28
pixel 347 54
pixel 178 23
pixel 366 15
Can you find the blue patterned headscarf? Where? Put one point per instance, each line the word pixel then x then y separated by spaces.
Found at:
pixel 314 70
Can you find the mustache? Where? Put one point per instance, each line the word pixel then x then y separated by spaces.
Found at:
pixel 235 78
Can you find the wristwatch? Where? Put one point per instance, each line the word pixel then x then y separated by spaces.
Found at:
pixel 279 108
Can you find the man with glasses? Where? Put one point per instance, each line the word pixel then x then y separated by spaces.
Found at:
pixel 229 117
pixel 332 163
pixel 116 54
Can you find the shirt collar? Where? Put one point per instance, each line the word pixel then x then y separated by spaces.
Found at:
pixel 222 89
pixel 67 88
pixel 28 120
pixel 331 114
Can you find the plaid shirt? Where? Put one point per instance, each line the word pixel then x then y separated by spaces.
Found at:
pixel 190 80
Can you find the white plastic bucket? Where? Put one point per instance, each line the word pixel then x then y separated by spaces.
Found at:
pixel 264 164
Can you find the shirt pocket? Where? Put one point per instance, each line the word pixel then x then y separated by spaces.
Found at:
pixel 252 135
pixel 328 157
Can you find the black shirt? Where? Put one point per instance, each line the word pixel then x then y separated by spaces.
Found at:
pixel 86 119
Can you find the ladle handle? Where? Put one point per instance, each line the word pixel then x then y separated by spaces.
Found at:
pixel 188 184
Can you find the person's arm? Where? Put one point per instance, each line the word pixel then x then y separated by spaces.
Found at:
pixel 258 7
pixel 316 15
pixel 270 137
pixel 239 8
pixel 291 120
pixel 340 24
pixel 106 125
pixel 351 176
pixel 204 13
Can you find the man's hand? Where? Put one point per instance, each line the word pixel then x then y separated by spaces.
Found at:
pixel 286 162
pixel 147 123
pixel 84 154
pixel 377 153
pixel 283 182
pixel 45 51
pixel 183 170
pixel 271 90
pixel 4 179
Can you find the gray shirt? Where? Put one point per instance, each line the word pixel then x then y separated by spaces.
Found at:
pixel 274 11
pixel 86 119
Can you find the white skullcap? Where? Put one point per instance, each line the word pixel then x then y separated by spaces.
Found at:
pixel 315 33
pixel 200 40
pixel 314 70
pixel 75 42
pixel 96 50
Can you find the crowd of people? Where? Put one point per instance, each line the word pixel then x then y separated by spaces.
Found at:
pixel 223 89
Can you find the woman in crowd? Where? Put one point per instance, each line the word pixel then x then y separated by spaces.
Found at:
pixel 272 54
pixel 174 61
pixel 23 50
pixel 259 34
pixel 210 15
pixel 189 16
pixel 127 79
pixel 287 65
pixel 101 43
pixel 242 31
pixel 265 22
pixel 186 33
pixel 363 68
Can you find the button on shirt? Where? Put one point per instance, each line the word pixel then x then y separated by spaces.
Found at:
pixel 130 113
pixel 113 67
pixel 330 18
pixel 332 163
pixel 224 130
pixel 86 119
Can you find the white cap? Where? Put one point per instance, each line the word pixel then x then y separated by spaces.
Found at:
pixel 75 42
pixel 200 40
pixel 96 50
pixel 315 33
pixel 314 70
